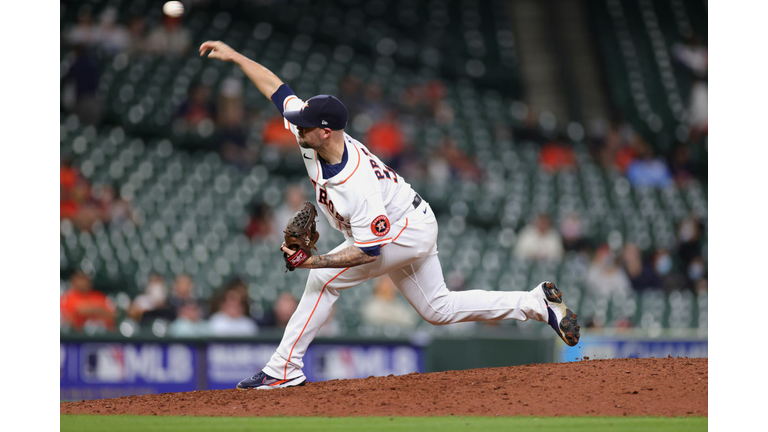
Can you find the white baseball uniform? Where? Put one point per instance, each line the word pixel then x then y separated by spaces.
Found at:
pixel 373 205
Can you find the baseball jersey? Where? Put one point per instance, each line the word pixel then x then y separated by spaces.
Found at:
pixel 361 196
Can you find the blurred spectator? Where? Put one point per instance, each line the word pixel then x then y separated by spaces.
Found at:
pixel 84 33
pixel 681 165
pixel 87 211
pixel 605 277
pixel 450 162
pixel 528 129
pixel 183 291
pixel 70 177
pixel 664 268
pixel 115 210
pixel 539 241
pixel 383 308
pixel 693 56
pixel 556 156
pixel 275 134
pixel 572 233
pixel 281 312
pixel 189 322
pixel 260 222
pixel 697 274
pixel 198 107
pixel 232 319
pixel 113 38
pixel 689 239
pixel 231 133
pixel 82 306
pixel 385 139
pixel 640 273
pixel 171 38
pixel 83 75
pixel 153 302
pixel 235 284
pixel 648 170
pixel 136 39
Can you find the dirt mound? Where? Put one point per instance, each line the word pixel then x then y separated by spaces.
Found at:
pixel 632 387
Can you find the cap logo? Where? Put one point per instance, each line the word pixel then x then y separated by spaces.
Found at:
pixel 324 122
pixel 306 104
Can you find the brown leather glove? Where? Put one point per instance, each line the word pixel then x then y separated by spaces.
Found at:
pixel 301 235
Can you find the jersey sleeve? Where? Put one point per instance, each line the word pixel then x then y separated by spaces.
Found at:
pixel 370 223
pixel 286 100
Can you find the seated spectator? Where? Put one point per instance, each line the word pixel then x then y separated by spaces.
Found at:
pixel 641 274
pixel 183 291
pixel 605 277
pixel 136 40
pixel 189 322
pixel 697 274
pixel 689 239
pixel 171 38
pixel 83 76
pixel 232 319
pixel 275 134
pixel 383 309
pixel 556 156
pixel 572 233
pixel 231 134
pixel 197 108
pixel 670 276
pixel 152 303
pixel 681 165
pixel 281 312
pixel 449 162
pixel 386 139
pixel 70 177
pixel 113 37
pixel 115 210
pixel 648 170
pixel 84 33
pixel 260 222
pixel 83 306
pixel 539 241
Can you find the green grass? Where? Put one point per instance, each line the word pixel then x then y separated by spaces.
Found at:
pixel 85 423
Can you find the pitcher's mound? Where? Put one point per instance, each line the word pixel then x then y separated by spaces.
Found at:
pixel 632 387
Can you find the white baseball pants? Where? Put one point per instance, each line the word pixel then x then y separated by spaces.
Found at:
pixel 412 264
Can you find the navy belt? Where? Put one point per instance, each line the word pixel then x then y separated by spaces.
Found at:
pixel 416 201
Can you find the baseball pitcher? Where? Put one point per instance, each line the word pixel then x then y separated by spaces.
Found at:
pixel 389 229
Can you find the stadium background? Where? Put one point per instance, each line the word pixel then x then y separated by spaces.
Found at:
pixel 496 112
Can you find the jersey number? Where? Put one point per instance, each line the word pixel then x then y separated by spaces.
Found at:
pixel 381 174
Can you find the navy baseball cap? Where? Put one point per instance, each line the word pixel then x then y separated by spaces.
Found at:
pixel 324 111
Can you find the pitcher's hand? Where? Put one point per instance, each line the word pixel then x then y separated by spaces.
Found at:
pixel 219 50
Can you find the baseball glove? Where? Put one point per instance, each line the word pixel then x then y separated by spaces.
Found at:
pixel 301 235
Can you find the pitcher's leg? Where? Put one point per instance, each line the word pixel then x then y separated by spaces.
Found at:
pixel 313 310
pixel 422 284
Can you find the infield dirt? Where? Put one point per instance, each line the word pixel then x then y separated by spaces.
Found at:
pixel 620 387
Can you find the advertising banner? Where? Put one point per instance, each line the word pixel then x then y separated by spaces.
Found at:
pixel 617 346
pixel 108 370
pixel 230 363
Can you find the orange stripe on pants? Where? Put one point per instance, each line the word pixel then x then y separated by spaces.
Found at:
pixel 285 373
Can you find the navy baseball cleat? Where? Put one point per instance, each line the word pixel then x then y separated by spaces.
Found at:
pixel 562 319
pixel 262 381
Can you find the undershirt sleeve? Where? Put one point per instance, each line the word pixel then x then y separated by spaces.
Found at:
pixel 372 251
pixel 279 96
